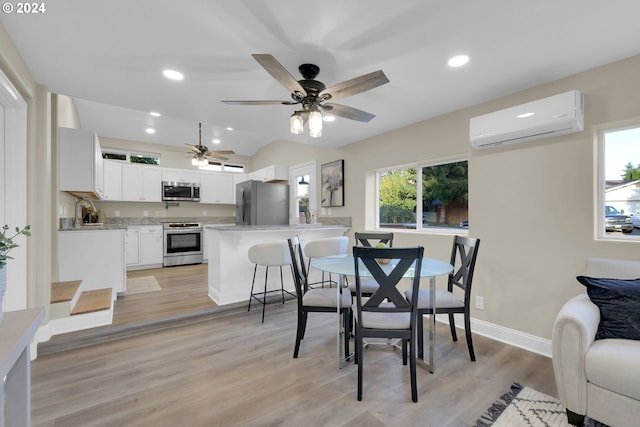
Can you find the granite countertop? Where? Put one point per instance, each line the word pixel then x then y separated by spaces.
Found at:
pixel 269 227
pixel 95 227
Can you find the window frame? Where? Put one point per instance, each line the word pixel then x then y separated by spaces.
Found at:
pixel 419 226
pixel 600 233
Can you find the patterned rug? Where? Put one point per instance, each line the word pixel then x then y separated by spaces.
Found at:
pixel 141 285
pixel 524 406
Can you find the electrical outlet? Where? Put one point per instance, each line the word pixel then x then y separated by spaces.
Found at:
pixel 204 213
pixel 145 213
pixel 116 213
pixel 479 303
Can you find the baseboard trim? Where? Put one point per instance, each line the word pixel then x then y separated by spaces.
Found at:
pixel 503 334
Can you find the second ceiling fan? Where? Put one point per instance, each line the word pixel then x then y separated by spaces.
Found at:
pixel 312 94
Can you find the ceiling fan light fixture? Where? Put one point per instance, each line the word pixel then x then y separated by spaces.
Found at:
pixel 297 123
pixel 315 124
pixel 195 161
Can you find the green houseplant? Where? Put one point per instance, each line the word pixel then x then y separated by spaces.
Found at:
pixel 7 243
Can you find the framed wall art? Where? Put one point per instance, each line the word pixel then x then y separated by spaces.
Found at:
pixel 332 179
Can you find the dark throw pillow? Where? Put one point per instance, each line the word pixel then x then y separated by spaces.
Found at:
pixel 619 304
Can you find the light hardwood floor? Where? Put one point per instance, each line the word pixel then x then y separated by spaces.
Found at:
pixel 231 370
pixel 184 290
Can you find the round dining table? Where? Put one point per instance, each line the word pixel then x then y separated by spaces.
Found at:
pixel 343 266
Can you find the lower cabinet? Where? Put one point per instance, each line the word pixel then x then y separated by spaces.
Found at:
pixel 144 247
pixel 151 245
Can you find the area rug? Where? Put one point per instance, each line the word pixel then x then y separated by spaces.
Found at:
pixel 524 406
pixel 142 285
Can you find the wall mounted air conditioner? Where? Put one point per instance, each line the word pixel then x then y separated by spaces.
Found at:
pixel 545 118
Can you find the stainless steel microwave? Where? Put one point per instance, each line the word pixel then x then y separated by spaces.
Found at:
pixel 182 191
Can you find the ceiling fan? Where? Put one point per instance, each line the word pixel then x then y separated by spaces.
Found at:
pixel 312 94
pixel 201 154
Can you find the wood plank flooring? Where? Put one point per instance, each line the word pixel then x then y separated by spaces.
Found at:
pixel 184 290
pixel 235 371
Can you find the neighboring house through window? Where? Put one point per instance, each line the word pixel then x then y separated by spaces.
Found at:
pixel 618 209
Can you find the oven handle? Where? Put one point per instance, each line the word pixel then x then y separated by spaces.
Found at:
pixel 183 231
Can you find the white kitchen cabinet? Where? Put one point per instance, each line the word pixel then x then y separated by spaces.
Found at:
pixel 271 173
pixel 141 183
pixel 112 180
pixel 144 246
pixel 180 175
pixel 94 256
pixel 217 187
pixel 80 163
pixel 132 246
pixel 151 252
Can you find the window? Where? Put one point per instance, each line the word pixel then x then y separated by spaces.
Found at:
pixel 618 210
pixel 424 197
pixel 124 156
pixel 223 167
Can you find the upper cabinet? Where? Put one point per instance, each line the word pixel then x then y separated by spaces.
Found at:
pixel 141 183
pixel 180 175
pixel 112 180
pixel 217 187
pixel 81 164
pixel 273 173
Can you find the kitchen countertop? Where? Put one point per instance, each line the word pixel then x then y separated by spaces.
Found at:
pixel 270 227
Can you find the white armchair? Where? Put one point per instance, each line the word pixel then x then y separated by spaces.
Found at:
pixel 596 378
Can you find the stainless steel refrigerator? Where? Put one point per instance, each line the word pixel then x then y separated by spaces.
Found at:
pixel 262 203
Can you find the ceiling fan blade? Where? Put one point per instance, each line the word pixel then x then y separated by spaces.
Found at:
pixel 216 157
pixel 279 73
pixel 260 102
pixel 356 85
pixel 221 152
pixel 347 112
pixel 194 148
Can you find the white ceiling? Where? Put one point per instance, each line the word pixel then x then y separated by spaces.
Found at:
pixel 109 56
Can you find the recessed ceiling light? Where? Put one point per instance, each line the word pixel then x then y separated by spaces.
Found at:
pixel 154 114
pixel 150 130
pixel 173 74
pixel 216 141
pixel 328 118
pixel 229 128
pixel 458 61
pixel 525 115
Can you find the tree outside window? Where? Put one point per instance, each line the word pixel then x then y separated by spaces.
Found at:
pixel 441 189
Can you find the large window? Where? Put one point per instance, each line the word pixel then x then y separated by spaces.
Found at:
pixel 618 211
pixel 424 197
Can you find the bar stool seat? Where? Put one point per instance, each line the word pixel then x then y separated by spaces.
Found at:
pixel 269 254
pixel 325 247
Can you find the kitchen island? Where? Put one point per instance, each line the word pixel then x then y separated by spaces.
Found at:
pixel 231 272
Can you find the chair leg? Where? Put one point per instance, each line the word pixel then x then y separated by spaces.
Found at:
pixel 452 325
pixel 404 352
pixel 281 284
pixel 264 296
pixel 255 269
pixel 346 325
pixel 412 372
pixel 467 329
pixel 300 332
pixel 360 357
pixel 420 335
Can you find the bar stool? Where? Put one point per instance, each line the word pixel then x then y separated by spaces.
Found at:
pixel 325 247
pixel 270 254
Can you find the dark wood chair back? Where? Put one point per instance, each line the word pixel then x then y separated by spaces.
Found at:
pixel 371 240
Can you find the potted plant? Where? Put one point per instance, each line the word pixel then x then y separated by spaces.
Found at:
pixel 6 245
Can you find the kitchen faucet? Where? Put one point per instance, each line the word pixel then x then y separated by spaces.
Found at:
pixel 78 220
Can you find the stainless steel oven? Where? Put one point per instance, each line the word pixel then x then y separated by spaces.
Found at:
pixel 182 243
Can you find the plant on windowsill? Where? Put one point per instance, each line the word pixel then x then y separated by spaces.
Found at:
pixel 6 245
